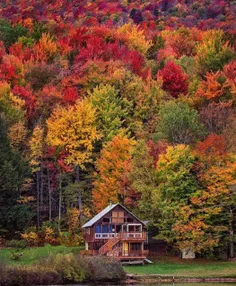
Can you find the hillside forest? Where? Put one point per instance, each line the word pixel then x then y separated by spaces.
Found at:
pixel 119 101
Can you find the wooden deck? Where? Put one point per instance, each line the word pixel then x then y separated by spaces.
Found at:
pixel 125 258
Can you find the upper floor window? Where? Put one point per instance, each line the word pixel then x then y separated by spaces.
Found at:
pixel 118 217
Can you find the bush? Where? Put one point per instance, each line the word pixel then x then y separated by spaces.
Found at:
pixel 63 269
pixel 31 238
pixel 71 268
pixel 67 239
pixel 105 269
pixel 30 275
pixel 16 243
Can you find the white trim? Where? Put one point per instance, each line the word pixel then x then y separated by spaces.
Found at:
pixel 105 235
pixel 133 224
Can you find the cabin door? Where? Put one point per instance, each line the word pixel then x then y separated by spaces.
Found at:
pixel 125 249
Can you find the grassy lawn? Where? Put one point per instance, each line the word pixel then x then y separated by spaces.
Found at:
pixel 34 254
pixel 194 268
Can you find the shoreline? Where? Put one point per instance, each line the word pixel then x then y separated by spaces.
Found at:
pixel 157 278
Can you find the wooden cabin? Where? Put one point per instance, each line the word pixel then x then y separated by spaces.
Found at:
pixel 116 232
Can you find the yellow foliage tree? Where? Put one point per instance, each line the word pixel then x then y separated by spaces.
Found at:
pixel 214 51
pixel 46 48
pixel 36 147
pixel 73 221
pixel 136 38
pixel 73 130
pixel 17 134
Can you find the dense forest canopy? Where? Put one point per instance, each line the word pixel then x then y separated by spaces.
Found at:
pixel 123 101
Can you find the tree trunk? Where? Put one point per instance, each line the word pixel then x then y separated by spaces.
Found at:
pixel 41 186
pixel 77 180
pixel 231 234
pixel 60 202
pixel 49 197
pixel 38 204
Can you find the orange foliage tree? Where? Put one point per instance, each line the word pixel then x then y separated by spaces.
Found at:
pixel 112 168
pixel 214 86
pixel 217 200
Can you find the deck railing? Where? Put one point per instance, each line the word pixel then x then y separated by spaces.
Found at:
pixel 133 235
pixel 123 235
pixel 105 235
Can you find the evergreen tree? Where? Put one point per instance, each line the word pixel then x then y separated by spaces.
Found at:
pixel 13 216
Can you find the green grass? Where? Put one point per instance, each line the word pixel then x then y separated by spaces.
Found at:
pixel 195 268
pixel 34 254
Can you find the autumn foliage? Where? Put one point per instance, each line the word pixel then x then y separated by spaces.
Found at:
pixel 119 101
pixel 174 79
pixel 112 168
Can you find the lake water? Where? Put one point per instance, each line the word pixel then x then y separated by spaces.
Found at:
pixel 163 284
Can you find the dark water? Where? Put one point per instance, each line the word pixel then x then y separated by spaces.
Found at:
pixel 162 284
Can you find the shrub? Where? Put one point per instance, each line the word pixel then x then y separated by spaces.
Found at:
pixel 105 269
pixel 49 236
pixel 28 275
pixel 72 268
pixel 68 239
pixel 16 243
pixel 31 238
pixel 62 269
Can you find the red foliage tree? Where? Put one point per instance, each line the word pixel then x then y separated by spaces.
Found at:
pixel 213 147
pixel 70 95
pixel 28 97
pixel 174 79
pixel 156 149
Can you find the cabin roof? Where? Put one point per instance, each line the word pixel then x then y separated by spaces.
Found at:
pixel 97 217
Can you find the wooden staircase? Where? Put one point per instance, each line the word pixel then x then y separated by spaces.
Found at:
pixel 109 245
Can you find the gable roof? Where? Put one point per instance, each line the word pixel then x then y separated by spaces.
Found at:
pixel 97 217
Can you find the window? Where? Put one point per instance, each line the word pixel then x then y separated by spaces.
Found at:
pixel 118 217
pixel 129 219
pixel 98 229
pixel 106 219
pixel 105 228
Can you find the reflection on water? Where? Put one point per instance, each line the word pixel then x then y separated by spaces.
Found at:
pixel 163 284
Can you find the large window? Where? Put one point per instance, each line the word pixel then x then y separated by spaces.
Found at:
pixel 118 217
